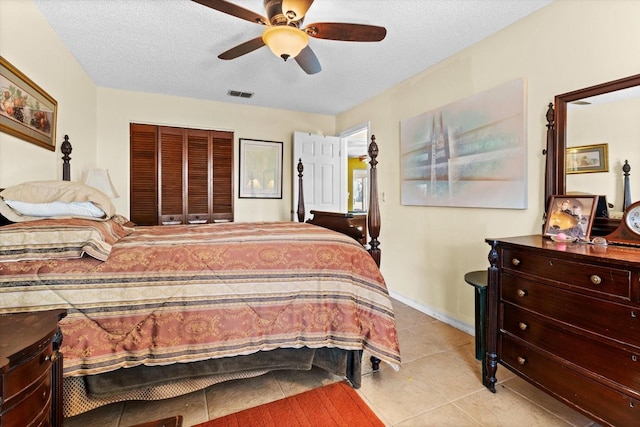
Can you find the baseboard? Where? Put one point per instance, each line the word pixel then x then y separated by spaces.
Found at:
pixel 465 327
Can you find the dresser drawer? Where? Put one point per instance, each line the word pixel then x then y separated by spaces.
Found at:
pixel 35 406
pixel 619 364
pixel 592 279
pixel 594 399
pixel 25 374
pixel 608 319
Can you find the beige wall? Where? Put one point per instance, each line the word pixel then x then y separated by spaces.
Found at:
pixel 616 124
pixel 116 109
pixel 425 250
pixel 97 119
pixel 30 44
pixel 565 46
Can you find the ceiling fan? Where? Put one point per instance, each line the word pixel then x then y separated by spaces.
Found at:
pixel 285 35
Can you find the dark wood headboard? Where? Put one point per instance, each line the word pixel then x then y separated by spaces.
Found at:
pixel 66 159
pixel 66 148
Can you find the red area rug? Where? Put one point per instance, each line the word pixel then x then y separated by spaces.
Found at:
pixel 336 404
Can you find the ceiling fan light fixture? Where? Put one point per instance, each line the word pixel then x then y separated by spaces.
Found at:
pixel 295 10
pixel 285 41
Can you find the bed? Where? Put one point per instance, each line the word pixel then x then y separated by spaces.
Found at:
pixel 155 312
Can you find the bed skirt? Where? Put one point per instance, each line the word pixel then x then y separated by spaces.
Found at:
pixel 82 394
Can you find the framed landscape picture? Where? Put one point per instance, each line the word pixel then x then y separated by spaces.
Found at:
pixel 26 110
pixel 588 158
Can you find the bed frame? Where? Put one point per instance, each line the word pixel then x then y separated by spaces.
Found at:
pixel 340 221
pixel 332 220
pixel 349 361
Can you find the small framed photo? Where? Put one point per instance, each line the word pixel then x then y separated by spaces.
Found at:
pixel 588 159
pixel 570 217
pixel 260 169
pixel 26 110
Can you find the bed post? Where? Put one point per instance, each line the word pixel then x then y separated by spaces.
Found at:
pixel 66 166
pixel 373 217
pixel 300 192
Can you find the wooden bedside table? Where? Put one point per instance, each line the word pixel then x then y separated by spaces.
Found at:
pixel 31 369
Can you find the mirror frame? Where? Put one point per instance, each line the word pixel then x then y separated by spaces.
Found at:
pixel 555 176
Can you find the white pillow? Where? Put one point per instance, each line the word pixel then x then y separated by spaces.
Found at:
pixel 59 191
pixel 57 208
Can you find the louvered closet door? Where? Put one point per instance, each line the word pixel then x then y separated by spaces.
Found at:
pixel 198 180
pixel 171 149
pixel 143 174
pixel 180 175
pixel 222 187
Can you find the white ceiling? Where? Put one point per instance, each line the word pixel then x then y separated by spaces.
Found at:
pixel 171 47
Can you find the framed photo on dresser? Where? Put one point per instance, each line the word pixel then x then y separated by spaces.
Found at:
pixel 571 216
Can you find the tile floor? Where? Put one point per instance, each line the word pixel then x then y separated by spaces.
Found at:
pixel 437 385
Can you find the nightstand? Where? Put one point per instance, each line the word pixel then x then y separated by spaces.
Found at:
pixel 31 369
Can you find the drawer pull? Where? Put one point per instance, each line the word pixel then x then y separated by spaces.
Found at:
pixel 51 357
pixel 634 358
pixel 522 293
pixel 596 280
pixel 515 261
pixel 522 360
pixel 523 326
pixel 633 314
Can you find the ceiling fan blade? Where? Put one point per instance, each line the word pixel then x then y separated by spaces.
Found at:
pixel 308 61
pixel 243 48
pixel 234 10
pixel 298 7
pixel 346 32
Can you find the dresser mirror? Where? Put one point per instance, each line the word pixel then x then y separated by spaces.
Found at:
pixel 608 114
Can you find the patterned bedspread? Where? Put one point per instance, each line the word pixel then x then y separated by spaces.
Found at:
pixel 184 293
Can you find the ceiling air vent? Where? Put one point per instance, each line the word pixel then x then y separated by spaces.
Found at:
pixel 240 94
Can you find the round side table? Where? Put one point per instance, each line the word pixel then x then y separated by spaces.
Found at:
pixel 478 279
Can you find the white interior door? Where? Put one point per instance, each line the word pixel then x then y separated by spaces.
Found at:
pixel 323 173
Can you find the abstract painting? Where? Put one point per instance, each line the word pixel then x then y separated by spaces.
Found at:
pixel 470 153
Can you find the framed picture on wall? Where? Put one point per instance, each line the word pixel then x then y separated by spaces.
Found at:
pixel 570 217
pixel 588 158
pixel 260 169
pixel 26 110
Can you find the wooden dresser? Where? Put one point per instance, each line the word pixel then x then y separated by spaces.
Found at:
pixel 31 369
pixel 566 317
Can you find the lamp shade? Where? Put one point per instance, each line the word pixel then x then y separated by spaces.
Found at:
pixel 100 179
pixel 285 41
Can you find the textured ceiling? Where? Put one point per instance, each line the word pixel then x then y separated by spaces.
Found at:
pixel 171 47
